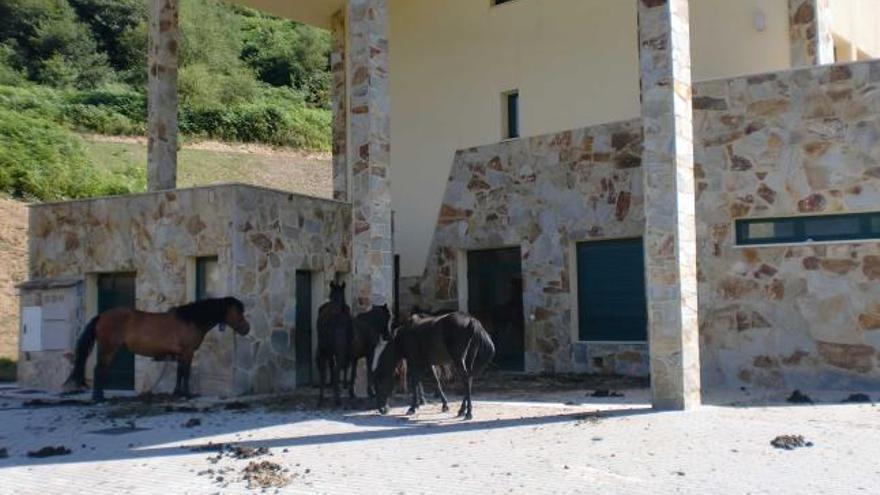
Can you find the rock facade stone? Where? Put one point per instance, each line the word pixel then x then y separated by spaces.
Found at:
pixel 781 144
pixel 339 98
pixel 670 225
pixel 261 238
pixel 370 144
pixel 162 55
pixel 544 194
pixel 810 32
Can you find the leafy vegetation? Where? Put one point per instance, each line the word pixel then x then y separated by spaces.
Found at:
pixel 70 66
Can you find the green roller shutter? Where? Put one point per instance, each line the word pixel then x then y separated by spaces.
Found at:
pixel 611 291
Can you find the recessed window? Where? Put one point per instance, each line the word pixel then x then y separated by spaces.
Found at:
pixel 847 227
pixel 510 102
pixel 499 2
pixel 207 278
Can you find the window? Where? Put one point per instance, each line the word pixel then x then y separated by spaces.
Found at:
pixel 207 278
pixel 511 114
pixel 499 2
pixel 847 227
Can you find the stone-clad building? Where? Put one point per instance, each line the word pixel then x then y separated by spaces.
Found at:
pixel 680 189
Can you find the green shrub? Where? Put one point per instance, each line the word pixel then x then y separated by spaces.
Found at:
pixel 41 160
pixel 7 370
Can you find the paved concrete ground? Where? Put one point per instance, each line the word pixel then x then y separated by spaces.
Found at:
pixel 513 446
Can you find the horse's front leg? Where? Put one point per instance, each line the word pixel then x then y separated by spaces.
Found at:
pixel 335 368
pixel 183 368
pixel 371 383
pixel 352 376
pixel 322 377
pixel 415 373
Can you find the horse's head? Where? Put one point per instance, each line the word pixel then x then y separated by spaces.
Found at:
pixel 337 292
pixel 380 316
pixel 384 364
pixel 233 315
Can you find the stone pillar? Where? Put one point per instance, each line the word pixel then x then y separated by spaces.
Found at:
pixel 810 32
pixel 162 94
pixel 670 228
pixel 340 107
pixel 369 142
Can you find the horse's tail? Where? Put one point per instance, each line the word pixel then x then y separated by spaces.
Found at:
pixel 84 346
pixel 485 346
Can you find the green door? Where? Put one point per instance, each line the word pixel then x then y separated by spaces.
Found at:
pixel 611 291
pixel 118 290
pixel 303 330
pixel 495 287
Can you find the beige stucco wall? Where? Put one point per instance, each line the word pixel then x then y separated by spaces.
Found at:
pixel 856 21
pixel 574 62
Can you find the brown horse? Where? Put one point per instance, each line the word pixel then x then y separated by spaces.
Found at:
pixel 176 333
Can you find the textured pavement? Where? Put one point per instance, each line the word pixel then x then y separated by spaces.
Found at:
pixel 518 443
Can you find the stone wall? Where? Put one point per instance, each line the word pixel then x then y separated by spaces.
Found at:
pixel 543 194
pixel 261 237
pixel 790 143
pixel 786 144
pixel 274 235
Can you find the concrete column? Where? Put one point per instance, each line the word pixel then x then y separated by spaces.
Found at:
pixel 162 95
pixel 340 107
pixel 812 42
pixel 369 142
pixel 670 228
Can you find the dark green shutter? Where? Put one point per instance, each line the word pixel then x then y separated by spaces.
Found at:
pixel 118 290
pixel 611 291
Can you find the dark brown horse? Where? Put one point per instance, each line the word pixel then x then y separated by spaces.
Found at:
pixel 335 333
pixel 176 333
pixel 370 330
pixel 454 339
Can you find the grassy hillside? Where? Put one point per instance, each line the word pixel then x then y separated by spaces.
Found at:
pixel 212 162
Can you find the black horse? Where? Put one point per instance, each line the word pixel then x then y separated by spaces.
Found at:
pixel 370 329
pixel 454 339
pixel 335 332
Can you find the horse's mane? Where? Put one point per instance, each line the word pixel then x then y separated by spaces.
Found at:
pixel 208 312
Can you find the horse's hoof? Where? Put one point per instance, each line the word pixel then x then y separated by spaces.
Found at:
pixel 383 411
pixel 468 417
pixel 445 408
pixel 411 411
pixel 460 414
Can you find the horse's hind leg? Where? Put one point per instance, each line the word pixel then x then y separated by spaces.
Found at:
pixel 101 364
pixel 184 366
pixel 467 395
pixel 439 393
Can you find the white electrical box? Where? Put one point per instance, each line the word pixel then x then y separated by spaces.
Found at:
pixel 32 328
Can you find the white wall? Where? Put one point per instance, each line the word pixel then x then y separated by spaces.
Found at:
pixel 858 22
pixel 575 63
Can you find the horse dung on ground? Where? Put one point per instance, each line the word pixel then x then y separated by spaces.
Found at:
pixel 455 340
pixel 176 333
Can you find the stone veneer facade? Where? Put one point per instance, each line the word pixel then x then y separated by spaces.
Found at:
pixel 162 55
pixel 812 41
pixel 261 238
pixel 369 142
pixel 782 144
pixel 670 237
